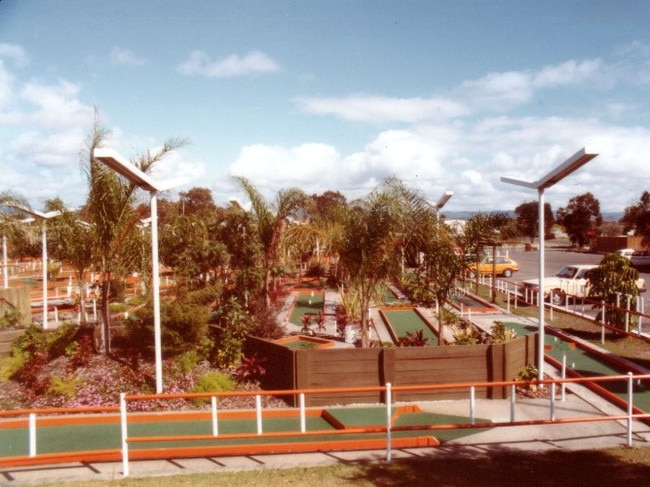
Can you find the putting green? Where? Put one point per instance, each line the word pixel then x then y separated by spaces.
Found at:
pixel 405 320
pixel 306 302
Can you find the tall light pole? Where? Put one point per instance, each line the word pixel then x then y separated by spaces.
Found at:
pixel 123 167
pixel 5 271
pixel 572 164
pixel 443 200
pixel 43 217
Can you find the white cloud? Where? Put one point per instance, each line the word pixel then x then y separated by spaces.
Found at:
pixel 14 53
pixel 367 108
pixel 121 56
pixel 254 62
pixel 57 106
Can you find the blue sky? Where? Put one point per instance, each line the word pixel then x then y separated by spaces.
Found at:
pixel 336 95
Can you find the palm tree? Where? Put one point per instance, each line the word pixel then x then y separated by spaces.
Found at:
pixel 112 214
pixel 271 222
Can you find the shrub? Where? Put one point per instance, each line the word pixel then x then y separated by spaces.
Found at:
pixel 63 387
pixel 465 335
pixel 212 381
pixel 11 319
pixel 10 365
pixel 251 369
pixel 502 334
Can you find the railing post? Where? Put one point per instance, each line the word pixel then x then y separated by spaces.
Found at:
pixel 258 408
pixel 303 424
pixel 32 434
pixel 563 375
pixel 552 401
pixel 125 444
pixel 627 313
pixel 389 411
pixel 513 394
pixel 472 405
pixel 215 419
pixel 630 407
pixel 602 324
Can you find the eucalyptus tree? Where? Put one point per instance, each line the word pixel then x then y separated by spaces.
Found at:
pixel 111 210
pixel 270 223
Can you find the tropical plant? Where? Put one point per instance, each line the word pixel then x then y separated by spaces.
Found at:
pixel 612 279
pixel 110 211
pixel 271 222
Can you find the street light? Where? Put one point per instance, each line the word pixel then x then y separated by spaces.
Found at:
pixel 123 167
pixel 443 200
pixel 44 217
pixel 572 164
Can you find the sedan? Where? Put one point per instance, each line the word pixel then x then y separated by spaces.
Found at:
pixel 503 266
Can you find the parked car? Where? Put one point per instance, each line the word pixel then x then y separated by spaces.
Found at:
pixel 504 266
pixel 570 280
pixel 625 252
pixel 640 259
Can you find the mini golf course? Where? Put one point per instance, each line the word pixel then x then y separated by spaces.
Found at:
pixel 159 435
pixel 582 362
pixel 402 321
pixel 307 302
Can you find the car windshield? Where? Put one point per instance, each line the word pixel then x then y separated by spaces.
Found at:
pixel 567 272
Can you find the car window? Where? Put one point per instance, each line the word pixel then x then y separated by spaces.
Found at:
pixel 567 272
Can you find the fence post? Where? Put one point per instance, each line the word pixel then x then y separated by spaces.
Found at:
pixel 389 408
pixel 472 404
pixel 32 434
pixel 303 425
pixel 627 313
pixel 602 324
pixel 215 420
pixel 552 401
pixel 630 399
pixel 513 393
pixel 563 375
pixel 125 444
pixel 258 408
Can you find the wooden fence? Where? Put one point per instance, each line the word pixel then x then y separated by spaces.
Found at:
pixel 371 367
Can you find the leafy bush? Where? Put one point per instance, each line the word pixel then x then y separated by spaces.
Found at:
pixel 10 365
pixel 251 369
pixel 502 334
pixel 465 335
pixel 413 339
pixel 213 381
pixel 63 387
pixel 11 319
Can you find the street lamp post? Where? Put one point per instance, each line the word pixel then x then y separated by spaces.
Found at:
pixel 44 217
pixel 123 167
pixel 572 164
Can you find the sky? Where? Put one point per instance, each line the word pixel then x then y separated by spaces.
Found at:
pixel 445 95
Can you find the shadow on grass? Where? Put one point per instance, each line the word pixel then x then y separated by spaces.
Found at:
pixel 506 468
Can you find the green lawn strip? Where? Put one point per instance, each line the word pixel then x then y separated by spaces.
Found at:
pixel 407 320
pixel 587 365
pixel 306 303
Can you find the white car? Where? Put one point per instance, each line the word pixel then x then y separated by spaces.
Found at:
pixel 570 280
pixel 640 259
pixel 625 252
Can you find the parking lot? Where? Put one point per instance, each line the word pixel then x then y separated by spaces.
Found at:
pixel 555 259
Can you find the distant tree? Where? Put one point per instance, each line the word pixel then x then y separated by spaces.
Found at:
pixel 327 205
pixel 196 201
pixel 528 219
pixel 580 218
pixel 637 218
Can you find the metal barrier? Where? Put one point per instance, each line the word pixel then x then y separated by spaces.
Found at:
pixel 34 418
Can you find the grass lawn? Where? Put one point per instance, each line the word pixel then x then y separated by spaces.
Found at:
pixel 618 466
